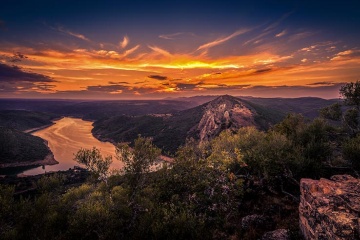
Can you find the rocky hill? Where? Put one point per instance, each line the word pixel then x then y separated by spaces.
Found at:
pixel 225 112
pixel 203 122
pixel 330 209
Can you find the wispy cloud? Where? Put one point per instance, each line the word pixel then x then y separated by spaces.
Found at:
pixel 77 35
pixel 257 39
pixel 277 23
pixel 124 42
pixel 160 51
pixel 173 36
pixel 131 50
pixel 281 34
pixel 222 40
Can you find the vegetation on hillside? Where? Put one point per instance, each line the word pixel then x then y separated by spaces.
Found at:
pixel 16 146
pixel 169 132
pixel 204 194
pixel 24 120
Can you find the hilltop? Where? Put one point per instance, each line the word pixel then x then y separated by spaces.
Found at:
pixel 203 122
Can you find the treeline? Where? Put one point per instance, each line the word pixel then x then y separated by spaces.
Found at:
pixel 204 194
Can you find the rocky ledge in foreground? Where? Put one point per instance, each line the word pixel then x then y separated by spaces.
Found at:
pixel 330 209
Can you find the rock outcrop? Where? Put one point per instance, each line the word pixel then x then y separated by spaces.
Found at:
pixel 225 112
pixel 330 209
pixel 278 234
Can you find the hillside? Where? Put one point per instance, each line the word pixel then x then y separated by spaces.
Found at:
pixel 18 148
pixel 24 120
pixel 202 123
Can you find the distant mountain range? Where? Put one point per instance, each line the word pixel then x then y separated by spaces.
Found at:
pixel 203 122
pixel 169 122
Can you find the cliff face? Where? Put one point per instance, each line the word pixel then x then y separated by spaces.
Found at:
pixel 225 112
pixel 330 209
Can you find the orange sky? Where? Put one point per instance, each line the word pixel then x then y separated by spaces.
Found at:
pixel 268 59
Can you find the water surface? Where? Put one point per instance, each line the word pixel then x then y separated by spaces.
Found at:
pixel 65 138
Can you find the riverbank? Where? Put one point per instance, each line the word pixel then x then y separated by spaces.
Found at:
pixel 48 160
pixel 27 185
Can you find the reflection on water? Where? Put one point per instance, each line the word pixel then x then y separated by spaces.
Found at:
pixel 65 138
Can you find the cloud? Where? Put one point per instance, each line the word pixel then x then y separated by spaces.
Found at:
pixel 300 35
pixel 281 34
pixel 77 35
pixel 321 83
pixel 115 88
pixel 160 51
pixel 186 86
pixel 257 39
pixel 260 71
pixel 111 82
pixel 158 77
pixel 131 50
pixel 124 42
pixel 17 57
pixel 173 36
pixel 222 40
pixel 277 23
pixel 17 74
pixel 346 55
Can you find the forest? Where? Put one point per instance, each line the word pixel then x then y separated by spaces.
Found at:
pixel 204 194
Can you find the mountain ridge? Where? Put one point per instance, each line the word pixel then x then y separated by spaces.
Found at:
pixel 169 132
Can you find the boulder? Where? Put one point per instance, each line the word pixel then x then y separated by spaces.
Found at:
pixel 330 209
pixel 278 234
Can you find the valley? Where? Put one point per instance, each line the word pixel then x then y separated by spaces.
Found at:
pixel 170 123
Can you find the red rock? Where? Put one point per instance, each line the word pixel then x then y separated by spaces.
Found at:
pixel 330 209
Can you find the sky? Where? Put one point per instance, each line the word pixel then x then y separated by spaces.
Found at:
pixel 160 49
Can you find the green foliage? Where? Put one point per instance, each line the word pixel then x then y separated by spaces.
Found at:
pixel 225 152
pixel 139 159
pixel 332 112
pixel 351 151
pixel 351 119
pixel 351 93
pixel 16 146
pixel 202 195
pixel 94 162
pixel 24 120
pixel 50 183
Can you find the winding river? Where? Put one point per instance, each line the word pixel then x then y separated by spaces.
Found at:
pixel 65 137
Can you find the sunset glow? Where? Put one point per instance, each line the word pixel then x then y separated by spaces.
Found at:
pixel 126 56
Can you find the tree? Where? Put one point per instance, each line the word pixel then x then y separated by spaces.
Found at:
pixel 138 160
pixel 94 162
pixel 332 112
pixel 351 151
pixel 350 92
pixel 137 164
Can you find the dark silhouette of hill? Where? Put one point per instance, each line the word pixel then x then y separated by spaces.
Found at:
pixel 17 146
pixel 95 110
pixel 24 120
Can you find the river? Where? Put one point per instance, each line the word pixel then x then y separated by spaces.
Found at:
pixel 65 137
